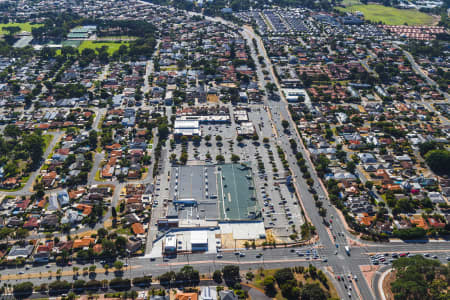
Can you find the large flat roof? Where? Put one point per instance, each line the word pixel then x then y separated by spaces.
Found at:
pixel 195 183
pixel 213 192
pixel 237 197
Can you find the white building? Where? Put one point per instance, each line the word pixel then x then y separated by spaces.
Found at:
pixel 187 127
pixel 199 241
pixel 208 293
pixel 170 244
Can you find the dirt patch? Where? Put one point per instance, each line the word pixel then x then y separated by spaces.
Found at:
pixel 86 233
pixel 356 243
pixel 227 241
pixel 368 272
pixel 107 223
pixel 212 98
pixel 390 277
pixel 436 20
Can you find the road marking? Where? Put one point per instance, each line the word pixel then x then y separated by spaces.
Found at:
pixel 202 262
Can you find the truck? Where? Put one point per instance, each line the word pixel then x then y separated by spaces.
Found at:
pixel 347 250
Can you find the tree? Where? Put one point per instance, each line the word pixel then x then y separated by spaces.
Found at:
pixel 235 158
pixel 368 185
pixel 410 233
pixel 231 274
pixel 269 286
pixel 283 275
pixel 118 265
pixel 285 124
pixel 79 285
pixel 12 131
pixel 33 144
pixel 102 232
pixel 166 278
pixel 121 244
pixel 75 270
pixel 93 285
pixel 92 268
pixel 142 281
pixel 419 278
pixel 424 148
pixel 23 290
pixel 196 139
pixel 163 131
pixel 312 291
pixel 220 158
pixel 5 233
pixel 93 139
pixel 120 284
pixel 59 287
pixel 21 233
pixel 351 166
pixel 12 30
pixel 439 161
pixel 183 157
pixel 188 275
pixel 217 276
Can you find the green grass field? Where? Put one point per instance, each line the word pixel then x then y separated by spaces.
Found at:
pixel 112 46
pixel 350 2
pixel 23 26
pixel 390 15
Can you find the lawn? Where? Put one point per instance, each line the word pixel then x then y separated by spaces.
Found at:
pixel 390 15
pixel 350 2
pixel 47 140
pixel 112 46
pixel 169 68
pixel 23 26
pixel 116 38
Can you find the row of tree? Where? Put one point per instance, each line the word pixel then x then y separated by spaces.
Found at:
pixel 58 287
